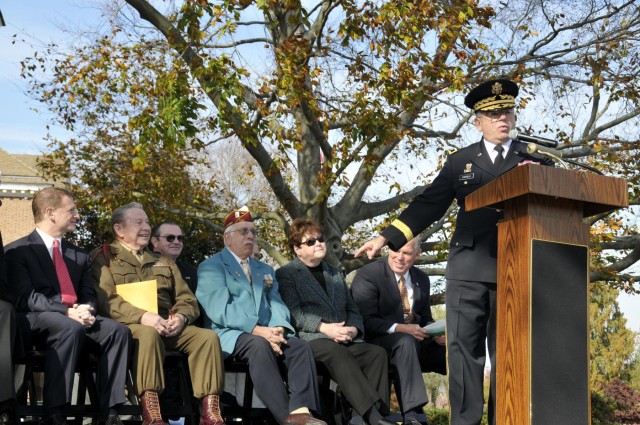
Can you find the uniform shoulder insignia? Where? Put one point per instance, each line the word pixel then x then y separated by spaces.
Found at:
pixel 452 151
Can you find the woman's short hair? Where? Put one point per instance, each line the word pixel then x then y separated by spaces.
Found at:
pixel 300 227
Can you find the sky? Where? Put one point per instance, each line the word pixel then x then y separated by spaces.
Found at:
pixel 31 24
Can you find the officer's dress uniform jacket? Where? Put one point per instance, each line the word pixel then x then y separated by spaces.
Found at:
pixel 473 248
pixel 471 271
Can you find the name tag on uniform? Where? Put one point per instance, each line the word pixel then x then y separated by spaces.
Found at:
pixel 465 176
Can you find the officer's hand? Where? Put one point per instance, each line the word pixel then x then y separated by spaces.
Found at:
pixel 415 330
pixel 372 247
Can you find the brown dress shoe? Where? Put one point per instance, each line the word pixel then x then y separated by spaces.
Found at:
pixel 151 408
pixel 211 411
pixel 302 419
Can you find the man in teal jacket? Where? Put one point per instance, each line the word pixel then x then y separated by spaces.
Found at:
pixel 239 295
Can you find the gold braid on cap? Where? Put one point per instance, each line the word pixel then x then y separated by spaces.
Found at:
pixel 495 102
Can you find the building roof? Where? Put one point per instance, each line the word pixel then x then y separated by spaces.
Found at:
pixel 19 175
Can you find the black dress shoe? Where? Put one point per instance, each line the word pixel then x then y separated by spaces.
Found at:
pixel 386 422
pixel 415 421
pixel 56 420
pixel 112 419
pixel 7 419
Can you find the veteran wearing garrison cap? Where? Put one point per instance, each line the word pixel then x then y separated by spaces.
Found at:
pixel 472 264
pixel 239 295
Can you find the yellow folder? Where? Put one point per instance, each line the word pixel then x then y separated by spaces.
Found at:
pixel 143 295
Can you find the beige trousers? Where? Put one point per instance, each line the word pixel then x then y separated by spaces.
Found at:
pixel 202 346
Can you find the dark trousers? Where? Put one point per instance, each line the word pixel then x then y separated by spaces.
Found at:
pixel 403 350
pixel 433 357
pixel 64 340
pixel 7 343
pixel 471 320
pixel 360 369
pixel 264 369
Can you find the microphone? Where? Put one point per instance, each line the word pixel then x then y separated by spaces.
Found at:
pixel 515 135
pixel 543 150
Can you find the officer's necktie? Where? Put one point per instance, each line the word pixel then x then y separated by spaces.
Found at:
pixel 404 296
pixel 67 292
pixel 139 255
pixel 246 269
pixel 499 158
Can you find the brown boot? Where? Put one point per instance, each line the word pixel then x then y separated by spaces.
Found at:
pixel 151 408
pixel 211 411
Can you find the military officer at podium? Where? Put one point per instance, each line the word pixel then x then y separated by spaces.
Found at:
pixel 472 263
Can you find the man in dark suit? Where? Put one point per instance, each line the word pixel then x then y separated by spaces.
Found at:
pixel 393 297
pixel 471 268
pixel 240 297
pixel 167 239
pixel 8 330
pixel 50 283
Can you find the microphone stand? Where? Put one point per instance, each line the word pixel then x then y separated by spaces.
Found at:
pixel 556 155
pixel 585 166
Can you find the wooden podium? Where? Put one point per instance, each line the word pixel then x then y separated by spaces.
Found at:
pixel 542 353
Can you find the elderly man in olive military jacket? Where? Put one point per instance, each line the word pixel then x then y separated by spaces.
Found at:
pixel 127 261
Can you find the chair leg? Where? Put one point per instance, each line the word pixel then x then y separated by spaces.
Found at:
pixel 185 393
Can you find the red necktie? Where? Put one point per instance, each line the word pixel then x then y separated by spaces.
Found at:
pixel 67 292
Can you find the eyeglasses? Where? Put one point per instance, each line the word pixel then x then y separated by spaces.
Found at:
pixel 171 238
pixel 245 231
pixel 312 241
pixel 497 114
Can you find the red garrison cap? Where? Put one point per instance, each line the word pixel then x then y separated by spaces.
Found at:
pixel 236 216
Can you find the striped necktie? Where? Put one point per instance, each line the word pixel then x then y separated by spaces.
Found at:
pixel 246 269
pixel 404 296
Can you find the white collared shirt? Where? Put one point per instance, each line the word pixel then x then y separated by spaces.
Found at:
pixel 491 149
pixel 48 241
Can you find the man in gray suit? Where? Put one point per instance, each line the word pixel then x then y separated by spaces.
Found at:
pixel 396 323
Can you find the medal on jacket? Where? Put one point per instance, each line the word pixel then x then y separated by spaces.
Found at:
pixel 467 168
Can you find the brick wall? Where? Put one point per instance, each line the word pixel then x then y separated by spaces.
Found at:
pixel 16 218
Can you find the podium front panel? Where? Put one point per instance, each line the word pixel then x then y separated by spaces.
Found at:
pixel 559 331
